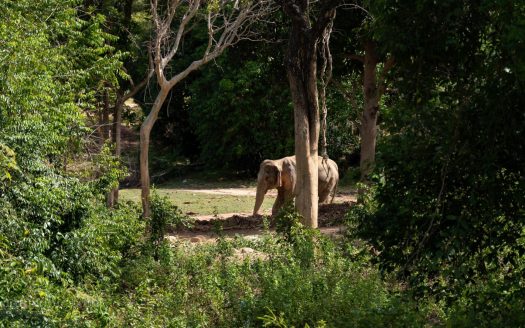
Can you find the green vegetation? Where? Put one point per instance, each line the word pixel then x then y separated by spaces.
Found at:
pixel 447 210
pixel 438 236
pixel 308 281
pixel 199 203
pixel 303 279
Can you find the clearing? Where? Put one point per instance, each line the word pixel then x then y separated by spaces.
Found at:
pixel 225 207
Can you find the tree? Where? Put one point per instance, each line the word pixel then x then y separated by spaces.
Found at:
pixel 127 31
pixel 127 89
pixel 449 212
pixel 301 63
pixel 373 89
pixel 227 23
pixel 362 54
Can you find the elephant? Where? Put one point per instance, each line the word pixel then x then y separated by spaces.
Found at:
pixel 282 174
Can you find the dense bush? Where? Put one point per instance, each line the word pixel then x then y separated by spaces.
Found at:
pixel 447 213
pixel 235 107
pixel 307 281
pixel 164 215
pixel 56 235
pixel 52 233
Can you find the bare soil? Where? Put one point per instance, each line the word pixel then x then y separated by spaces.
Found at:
pixel 341 197
pixel 208 228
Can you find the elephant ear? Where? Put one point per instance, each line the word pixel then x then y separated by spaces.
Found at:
pixel 279 178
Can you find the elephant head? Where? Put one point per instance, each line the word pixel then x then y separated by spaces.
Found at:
pixel 269 177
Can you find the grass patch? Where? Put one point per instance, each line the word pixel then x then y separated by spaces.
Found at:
pixel 198 203
pixel 186 193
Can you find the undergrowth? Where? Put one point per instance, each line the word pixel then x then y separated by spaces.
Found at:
pixel 298 278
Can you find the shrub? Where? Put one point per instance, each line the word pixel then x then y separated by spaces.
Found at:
pixel 306 282
pixel 164 214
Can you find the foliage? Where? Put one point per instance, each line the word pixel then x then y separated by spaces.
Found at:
pixel 287 221
pixel 445 213
pixel 55 231
pixel 448 213
pixel 49 68
pixel 235 117
pixel 7 165
pixel 209 285
pixel 164 214
pixel 108 169
pixel 238 112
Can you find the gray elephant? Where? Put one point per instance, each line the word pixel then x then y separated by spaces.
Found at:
pixel 282 174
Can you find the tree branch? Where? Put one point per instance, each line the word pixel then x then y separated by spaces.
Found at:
pixel 359 58
pixel 326 16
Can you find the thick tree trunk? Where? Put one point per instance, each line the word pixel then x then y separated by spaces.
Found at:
pixel 305 33
pixel 145 132
pixel 368 129
pixel 302 76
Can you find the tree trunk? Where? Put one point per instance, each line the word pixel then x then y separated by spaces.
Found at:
pixel 105 119
pixel 368 129
pixel 145 131
pixel 302 76
pixel 127 11
pixel 117 141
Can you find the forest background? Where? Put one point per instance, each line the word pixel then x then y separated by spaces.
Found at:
pixel 438 235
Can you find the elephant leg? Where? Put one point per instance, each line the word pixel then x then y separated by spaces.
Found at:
pixel 324 195
pixel 279 202
pixel 288 196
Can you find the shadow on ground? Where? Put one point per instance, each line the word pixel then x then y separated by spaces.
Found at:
pixel 330 220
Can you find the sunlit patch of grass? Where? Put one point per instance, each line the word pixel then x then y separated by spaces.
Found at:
pixel 198 203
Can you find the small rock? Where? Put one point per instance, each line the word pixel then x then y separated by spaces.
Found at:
pixel 246 250
pixel 248 253
pixel 252 237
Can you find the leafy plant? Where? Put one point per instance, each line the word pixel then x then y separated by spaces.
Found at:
pixel 163 215
pixel 448 216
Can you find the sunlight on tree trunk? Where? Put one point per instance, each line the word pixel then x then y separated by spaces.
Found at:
pixel 145 131
pixel 117 141
pixel 373 89
pixel 302 76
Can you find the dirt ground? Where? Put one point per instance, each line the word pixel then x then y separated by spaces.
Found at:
pixel 341 197
pixel 207 227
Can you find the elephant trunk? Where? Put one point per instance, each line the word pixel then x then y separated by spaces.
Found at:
pixel 259 197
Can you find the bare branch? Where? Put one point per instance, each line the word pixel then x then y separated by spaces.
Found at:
pixel 227 25
pixel 228 22
pixel 188 16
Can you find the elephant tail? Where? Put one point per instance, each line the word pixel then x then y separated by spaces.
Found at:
pixel 335 192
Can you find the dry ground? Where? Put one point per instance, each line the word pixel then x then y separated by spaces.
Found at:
pixel 208 227
pixel 227 207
